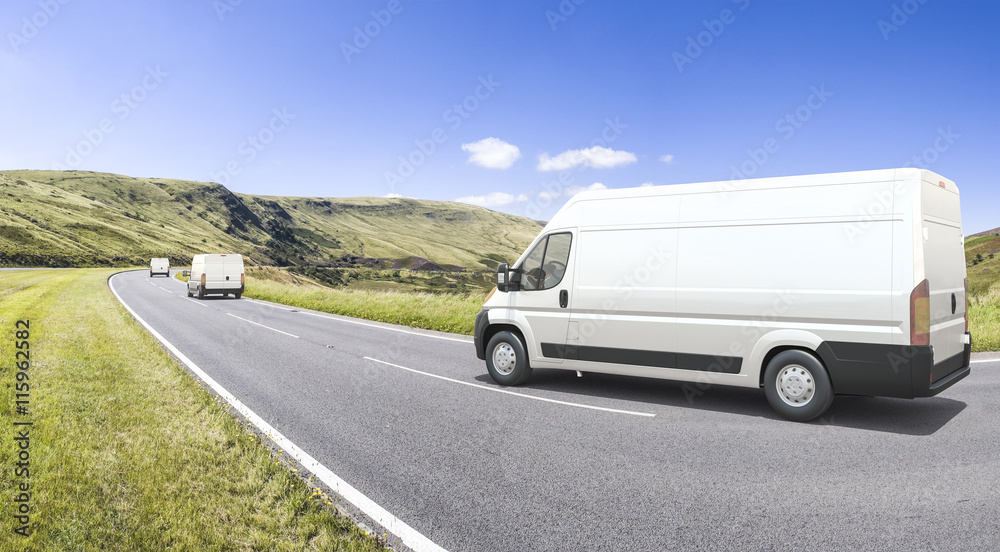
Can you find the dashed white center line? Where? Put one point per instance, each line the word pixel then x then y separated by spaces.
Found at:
pixel 985 360
pixel 262 326
pixel 504 391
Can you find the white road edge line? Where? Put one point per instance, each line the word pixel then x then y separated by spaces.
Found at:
pixel 410 536
pixel 273 306
pixel 261 325
pixel 578 405
pixel 385 328
pixel 984 360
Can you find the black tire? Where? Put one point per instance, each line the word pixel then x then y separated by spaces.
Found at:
pixel 238 295
pixel 507 360
pixel 189 291
pixel 797 386
pixel 201 292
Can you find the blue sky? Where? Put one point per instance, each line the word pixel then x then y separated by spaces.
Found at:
pixel 513 105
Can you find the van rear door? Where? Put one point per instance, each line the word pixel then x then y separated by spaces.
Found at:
pixel 944 266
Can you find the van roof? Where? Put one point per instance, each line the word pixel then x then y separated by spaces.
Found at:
pixel 855 177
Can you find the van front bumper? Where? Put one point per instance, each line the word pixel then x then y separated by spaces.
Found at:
pixel 904 371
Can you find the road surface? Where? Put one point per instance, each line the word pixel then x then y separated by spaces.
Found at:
pixel 412 421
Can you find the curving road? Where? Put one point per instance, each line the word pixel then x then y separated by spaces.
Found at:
pixel 413 422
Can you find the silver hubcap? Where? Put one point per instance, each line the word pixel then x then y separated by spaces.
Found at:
pixel 795 385
pixel 504 358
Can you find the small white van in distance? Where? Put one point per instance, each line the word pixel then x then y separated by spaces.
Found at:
pixel 217 274
pixel 159 266
pixel 805 286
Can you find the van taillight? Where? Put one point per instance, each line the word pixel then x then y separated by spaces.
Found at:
pixel 243 280
pixel 920 314
pixel 966 281
pixel 202 279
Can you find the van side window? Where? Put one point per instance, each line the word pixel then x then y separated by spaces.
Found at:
pixel 545 266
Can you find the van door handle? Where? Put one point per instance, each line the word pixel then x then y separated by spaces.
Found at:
pixel 563 298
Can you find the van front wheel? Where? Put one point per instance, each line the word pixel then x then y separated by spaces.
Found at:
pixel 507 360
pixel 797 386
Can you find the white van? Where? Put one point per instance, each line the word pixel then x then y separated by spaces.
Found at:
pixel 159 266
pixel 218 274
pixel 805 286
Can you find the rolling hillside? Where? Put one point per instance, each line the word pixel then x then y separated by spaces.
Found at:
pixel 982 269
pixel 77 218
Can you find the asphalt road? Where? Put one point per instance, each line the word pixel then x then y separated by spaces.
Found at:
pixel 606 462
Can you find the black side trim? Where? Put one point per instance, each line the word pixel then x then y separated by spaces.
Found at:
pixel 903 371
pixel 482 321
pixel 639 357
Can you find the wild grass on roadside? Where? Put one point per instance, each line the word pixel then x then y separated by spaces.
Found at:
pixel 127 451
pixel 984 320
pixel 447 313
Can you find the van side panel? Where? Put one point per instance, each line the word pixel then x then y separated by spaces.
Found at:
pixel 794 258
pixel 624 297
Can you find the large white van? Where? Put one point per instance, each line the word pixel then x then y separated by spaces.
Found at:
pixel 159 265
pixel 217 274
pixel 805 286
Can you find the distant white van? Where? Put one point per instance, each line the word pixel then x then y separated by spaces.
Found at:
pixel 805 286
pixel 159 266
pixel 216 274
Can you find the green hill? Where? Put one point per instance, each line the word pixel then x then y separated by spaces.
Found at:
pixel 982 256
pixel 78 218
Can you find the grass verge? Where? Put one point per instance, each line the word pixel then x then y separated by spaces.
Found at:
pixel 984 320
pixel 446 313
pixel 127 451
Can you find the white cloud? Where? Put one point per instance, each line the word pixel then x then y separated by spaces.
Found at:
pixel 493 199
pixel 570 191
pixel 668 159
pixel 492 153
pixel 573 190
pixel 596 157
pixel 646 185
pixel 391 195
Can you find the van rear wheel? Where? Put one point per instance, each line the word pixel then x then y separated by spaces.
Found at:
pixel 507 360
pixel 797 386
pixel 201 292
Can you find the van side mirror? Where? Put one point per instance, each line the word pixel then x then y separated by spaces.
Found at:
pixel 502 276
pixel 186 273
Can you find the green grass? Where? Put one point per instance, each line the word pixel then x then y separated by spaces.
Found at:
pixel 984 320
pixel 442 312
pixel 127 451
pixel 984 291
